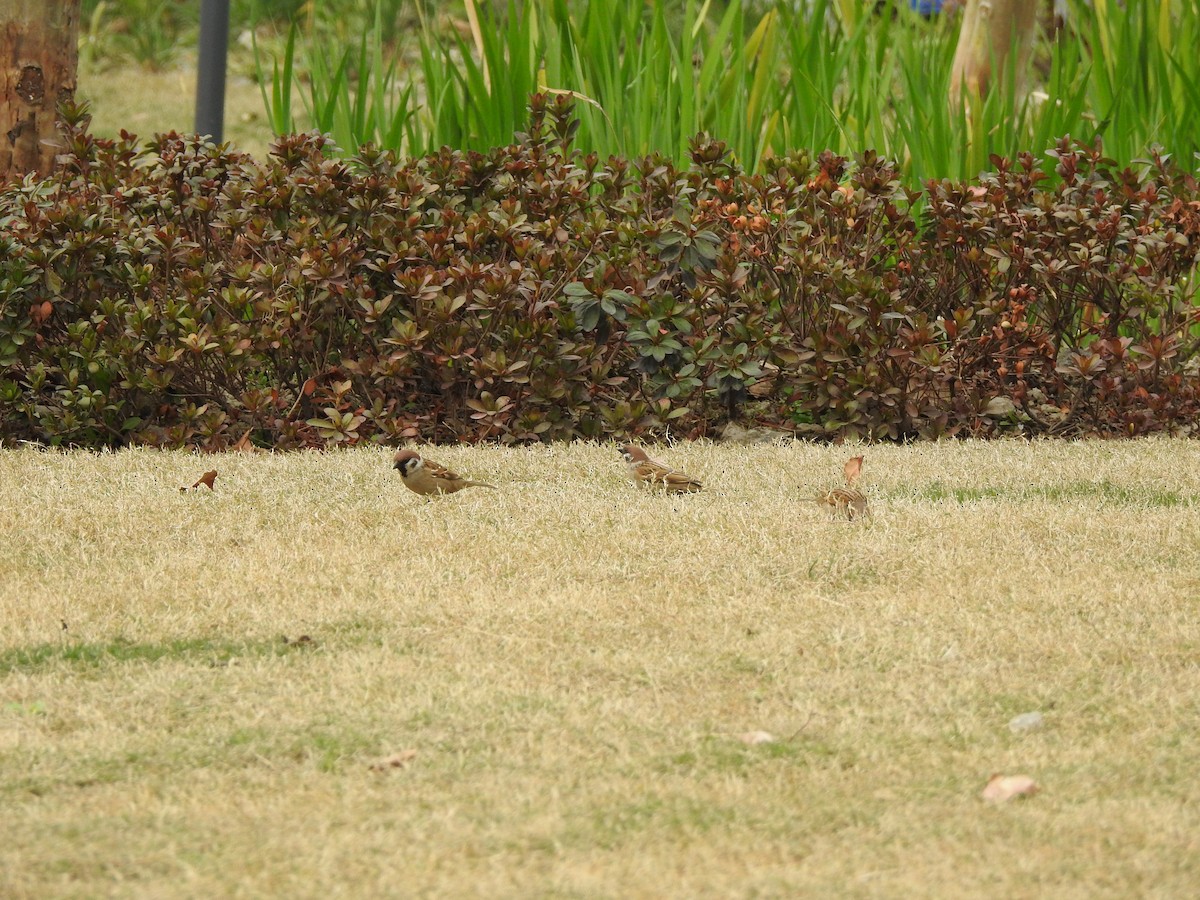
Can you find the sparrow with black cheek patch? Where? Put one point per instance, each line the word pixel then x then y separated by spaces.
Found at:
pixel 425 477
pixel 644 470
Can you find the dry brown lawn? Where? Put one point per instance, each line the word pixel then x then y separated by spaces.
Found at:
pixel 573 660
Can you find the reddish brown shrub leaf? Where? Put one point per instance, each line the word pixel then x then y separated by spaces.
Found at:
pixel 960 310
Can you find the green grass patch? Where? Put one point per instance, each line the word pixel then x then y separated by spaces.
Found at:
pixel 1104 491
pixel 120 650
pixel 728 755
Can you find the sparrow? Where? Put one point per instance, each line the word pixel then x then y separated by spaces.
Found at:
pixel 425 477
pixel 644 470
pixel 846 500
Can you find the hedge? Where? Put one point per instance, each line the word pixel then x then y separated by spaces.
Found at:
pixel 177 293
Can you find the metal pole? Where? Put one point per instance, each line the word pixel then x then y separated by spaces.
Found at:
pixel 210 75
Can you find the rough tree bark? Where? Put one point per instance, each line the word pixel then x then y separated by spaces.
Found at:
pixel 989 28
pixel 38 62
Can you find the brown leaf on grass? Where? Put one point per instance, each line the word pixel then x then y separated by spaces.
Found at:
pixel 395 761
pixel 243 444
pixel 853 469
pixel 206 479
pixel 1004 787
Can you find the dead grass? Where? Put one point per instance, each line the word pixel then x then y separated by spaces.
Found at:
pixel 572 660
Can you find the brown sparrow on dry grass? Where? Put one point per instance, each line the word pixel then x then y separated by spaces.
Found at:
pixel 847 500
pixel 427 478
pixel 644 470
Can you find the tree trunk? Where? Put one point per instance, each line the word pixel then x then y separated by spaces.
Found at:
pixel 38 61
pixel 990 31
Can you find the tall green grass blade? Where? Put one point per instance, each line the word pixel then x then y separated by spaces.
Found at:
pixel 687 80
pixel 278 102
pixel 769 79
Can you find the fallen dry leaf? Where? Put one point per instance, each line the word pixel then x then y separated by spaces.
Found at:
pixel 206 479
pixel 395 761
pixel 1004 787
pixel 756 737
pixel 853 469
pixel 243 445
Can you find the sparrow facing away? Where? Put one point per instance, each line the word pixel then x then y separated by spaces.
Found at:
pixel 846 500
pixel 646 471
pixel 425 477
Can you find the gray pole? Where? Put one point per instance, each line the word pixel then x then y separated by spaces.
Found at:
pixel 210 77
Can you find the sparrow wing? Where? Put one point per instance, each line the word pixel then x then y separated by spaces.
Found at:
pixel 440 472
pixel 829 498
pixel 448 480
pixel 847 500
pixel 652 473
